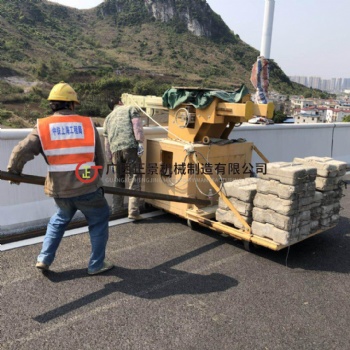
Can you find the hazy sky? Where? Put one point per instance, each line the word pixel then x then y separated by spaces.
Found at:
pixel 310 37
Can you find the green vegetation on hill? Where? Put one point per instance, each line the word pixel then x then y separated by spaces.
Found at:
pixel 119 46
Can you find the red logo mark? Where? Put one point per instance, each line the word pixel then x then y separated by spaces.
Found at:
pixel 86 176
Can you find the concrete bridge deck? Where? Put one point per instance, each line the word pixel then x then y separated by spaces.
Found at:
pixel 173 288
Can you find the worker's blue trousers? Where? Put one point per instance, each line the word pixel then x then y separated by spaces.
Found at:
pixel 96 211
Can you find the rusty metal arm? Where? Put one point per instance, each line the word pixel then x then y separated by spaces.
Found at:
pixel 40 180
pixel 245 110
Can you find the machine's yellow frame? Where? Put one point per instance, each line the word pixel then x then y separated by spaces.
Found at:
pixel 215 121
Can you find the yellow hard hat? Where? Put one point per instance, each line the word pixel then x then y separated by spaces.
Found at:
pixel 63 92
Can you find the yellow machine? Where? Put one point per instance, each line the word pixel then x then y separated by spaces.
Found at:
pixel 197 157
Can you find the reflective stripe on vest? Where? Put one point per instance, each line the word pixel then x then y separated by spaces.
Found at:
pixel 67 141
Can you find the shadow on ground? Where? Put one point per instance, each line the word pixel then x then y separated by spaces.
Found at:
pixel 155 283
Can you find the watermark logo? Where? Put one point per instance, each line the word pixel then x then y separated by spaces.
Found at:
pixel 86 176
pixel 189 169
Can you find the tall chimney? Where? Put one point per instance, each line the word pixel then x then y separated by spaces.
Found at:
pixel 267 29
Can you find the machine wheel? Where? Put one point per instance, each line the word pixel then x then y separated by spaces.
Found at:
pixel 193 225
pixel 250 247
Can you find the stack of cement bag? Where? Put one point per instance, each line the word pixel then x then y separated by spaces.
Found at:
pixel 289 202
pixel 329 190
pixel 241 194
pixel 282 203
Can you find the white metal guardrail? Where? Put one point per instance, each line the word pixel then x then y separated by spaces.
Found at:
pixel 26 205
pixel 284 142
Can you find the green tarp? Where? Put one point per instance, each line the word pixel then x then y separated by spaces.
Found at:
pixel 200 98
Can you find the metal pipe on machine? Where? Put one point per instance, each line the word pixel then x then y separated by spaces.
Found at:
pixel 267 29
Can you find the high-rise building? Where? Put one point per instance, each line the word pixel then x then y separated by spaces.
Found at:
pixel 315 82
pixel 346 83
pixel 326 85
pixel 329 85
pixel 338 84
pixel 333 84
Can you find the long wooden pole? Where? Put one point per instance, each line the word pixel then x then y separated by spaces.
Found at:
pixel 40 180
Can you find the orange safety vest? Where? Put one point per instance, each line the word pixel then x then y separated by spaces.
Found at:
pixel 67 141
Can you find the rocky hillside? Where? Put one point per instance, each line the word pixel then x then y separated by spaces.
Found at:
pixel 137 46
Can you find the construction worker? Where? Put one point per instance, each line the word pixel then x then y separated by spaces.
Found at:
pixel 73 151
pixel 124 138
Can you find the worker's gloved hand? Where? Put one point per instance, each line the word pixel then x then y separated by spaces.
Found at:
pixel 12 182
pixel 140 150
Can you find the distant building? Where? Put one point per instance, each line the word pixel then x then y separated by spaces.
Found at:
pixel 346 83
pixel 312 110
pixel 300 80
pixel 315 82
pixel 326 85
pixel 333 85
pixel 301 103
pixel 311 115
pixel 336 114
pixel 306 116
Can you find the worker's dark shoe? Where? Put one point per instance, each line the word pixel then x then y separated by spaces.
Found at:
pixel 41 266
pixel 105 267
pixel 135 217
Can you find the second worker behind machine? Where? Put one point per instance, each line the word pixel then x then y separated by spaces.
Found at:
pixel 124 138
